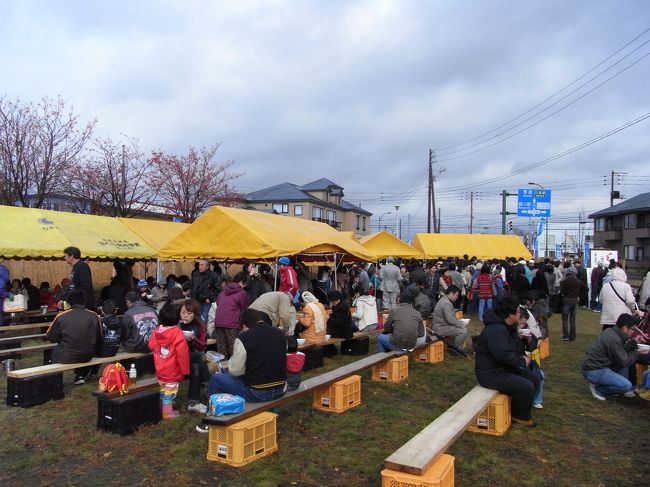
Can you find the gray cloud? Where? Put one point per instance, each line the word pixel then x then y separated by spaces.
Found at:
pixel 353 91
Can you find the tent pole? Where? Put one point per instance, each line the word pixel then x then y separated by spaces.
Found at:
pixel 336 281
pixel 158 270
pixel 275 276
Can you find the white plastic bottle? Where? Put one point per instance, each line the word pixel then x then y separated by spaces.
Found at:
pixel 133 375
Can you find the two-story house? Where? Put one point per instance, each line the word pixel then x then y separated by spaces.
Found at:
pixel 321 200
pixel 625 227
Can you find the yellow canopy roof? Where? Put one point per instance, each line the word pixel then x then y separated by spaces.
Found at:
pixel 155 232
pixel 384 244
pixel 235 234
pixel 35 233
pixel 483 246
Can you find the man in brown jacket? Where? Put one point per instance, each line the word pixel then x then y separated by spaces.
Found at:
pixel 76 333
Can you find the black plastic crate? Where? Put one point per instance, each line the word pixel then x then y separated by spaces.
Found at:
pixel 123 414
pixel 313 358
pixel 356 346
pixel 31 391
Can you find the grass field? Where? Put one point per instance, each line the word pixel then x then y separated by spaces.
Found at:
pixel 578 442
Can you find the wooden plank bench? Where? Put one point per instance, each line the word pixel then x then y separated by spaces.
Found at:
pixel 422 451
pixel 27 326
pixel 307 386
pixel 20 338
pixel 36 385
pixel 46 348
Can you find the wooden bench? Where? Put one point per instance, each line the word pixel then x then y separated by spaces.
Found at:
pixel 307 386
pixel 20 338
pixel 36 385
pixel 418 454
pixel 28 326
pixel 46 348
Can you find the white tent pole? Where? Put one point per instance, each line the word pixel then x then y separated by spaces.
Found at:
pixel 275 276
pixel 336 282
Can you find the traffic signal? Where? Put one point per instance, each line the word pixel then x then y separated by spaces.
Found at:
pixel 510 226
pixel 616 195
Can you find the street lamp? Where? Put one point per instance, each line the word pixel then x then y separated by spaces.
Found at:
pixel 381 216
pixel 546 238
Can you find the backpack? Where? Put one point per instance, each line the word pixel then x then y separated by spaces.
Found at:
pixel 114 378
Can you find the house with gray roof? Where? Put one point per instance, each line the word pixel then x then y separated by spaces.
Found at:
pixel 320 200
pixel 625 227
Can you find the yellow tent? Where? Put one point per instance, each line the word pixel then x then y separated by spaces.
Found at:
pixel 384 244
pixel 434 245
pixel 235 234
pixel 155 232
pixel 32 233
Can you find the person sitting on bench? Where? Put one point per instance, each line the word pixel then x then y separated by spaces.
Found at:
pixel 313 325
pixel 339 323
pixel 257 370
pixel 444 322
pixel 500 362
pixel 76 332
pixel 403 329
pixel 365 316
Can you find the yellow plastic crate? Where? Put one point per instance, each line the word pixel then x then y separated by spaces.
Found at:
pixel 395 370
pixel 340 396
pixel 544 348
pixel 439 474
pixel 495 419
pixel 243 442
pixel 432 354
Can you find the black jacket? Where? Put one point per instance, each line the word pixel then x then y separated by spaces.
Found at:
pixel 498 349
pixel 339 324
pixel 81 279
pixel 206 285
pixel 112 328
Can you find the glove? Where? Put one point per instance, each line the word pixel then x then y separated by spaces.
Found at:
pixel 629 345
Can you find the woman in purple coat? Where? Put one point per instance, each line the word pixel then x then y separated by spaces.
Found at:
pixel 230 304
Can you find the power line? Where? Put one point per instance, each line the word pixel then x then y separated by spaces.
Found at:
pixel 555 157
pixel 548 98
pixel 547 116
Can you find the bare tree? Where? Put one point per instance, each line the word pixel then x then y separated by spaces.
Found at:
pixel 39 144
pixel 190 184
pixel 116 180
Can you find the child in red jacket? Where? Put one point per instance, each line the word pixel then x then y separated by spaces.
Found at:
pixel 295 363
pixel 171 356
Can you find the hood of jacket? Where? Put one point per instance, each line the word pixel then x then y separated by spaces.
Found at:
pixel 112 322
pixel 233 288
pixel 166 335
pixel 369 300
pixel 618 274
pixel 491 318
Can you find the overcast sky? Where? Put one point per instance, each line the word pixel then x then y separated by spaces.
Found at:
pixel 359 91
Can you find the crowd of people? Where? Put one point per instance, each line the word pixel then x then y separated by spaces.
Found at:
pixel 256 318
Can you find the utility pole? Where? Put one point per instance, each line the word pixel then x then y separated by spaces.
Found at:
pixel 439 221
pixel 430 192
pixel 471 211
pixel 614 194
pixel 504 212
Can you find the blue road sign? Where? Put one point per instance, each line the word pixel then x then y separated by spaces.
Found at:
pixel 534 202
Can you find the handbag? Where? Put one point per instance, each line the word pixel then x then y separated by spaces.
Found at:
pixel 14 303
